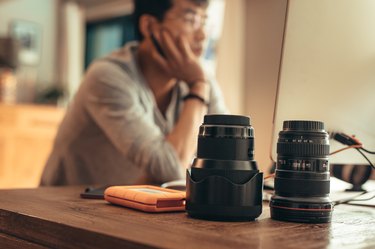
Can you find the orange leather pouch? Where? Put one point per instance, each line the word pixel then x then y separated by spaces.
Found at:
pixel 146 198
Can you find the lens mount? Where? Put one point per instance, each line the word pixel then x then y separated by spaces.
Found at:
pixel 313 211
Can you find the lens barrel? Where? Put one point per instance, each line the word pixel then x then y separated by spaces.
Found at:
pixel 302 178
pixel 224 182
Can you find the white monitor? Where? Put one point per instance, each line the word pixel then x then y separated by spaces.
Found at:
pixel 328 71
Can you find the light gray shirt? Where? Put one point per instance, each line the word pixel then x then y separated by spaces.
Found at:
pixel 113 131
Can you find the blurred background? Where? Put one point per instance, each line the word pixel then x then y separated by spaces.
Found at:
pixel 46 45
pixel 314 50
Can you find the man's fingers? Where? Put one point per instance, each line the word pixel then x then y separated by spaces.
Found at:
pixel 184 47
pixel 169 47
pixel 160 60
pixel 179 60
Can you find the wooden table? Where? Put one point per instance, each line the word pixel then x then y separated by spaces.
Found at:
pixel 58 218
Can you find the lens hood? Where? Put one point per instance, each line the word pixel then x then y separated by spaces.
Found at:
pixel 224 182
pixel 216 197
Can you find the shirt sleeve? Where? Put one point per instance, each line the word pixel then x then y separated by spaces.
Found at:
pixel 113 102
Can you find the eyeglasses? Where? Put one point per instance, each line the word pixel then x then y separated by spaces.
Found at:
pixel 192 20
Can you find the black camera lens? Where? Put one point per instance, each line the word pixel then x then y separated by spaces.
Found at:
pixel 224 182
pixel 302 182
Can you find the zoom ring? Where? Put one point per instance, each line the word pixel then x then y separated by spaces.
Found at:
pixel 302 149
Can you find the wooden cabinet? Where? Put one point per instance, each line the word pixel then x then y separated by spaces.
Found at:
pixel 26 137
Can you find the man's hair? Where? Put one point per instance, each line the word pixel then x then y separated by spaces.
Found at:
pixel 156 8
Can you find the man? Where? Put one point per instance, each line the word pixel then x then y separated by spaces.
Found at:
pixel 135 118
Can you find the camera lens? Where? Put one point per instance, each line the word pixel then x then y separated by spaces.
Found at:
pixel 224 182
pixel 302 182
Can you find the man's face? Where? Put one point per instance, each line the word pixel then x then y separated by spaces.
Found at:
pixel 187 18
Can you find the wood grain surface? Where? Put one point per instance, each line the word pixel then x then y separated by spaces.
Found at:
pixel 58 218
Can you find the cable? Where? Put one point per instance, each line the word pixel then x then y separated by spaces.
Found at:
pixel 366 199
pixel 352 142
pixel 345 139
pixel 368 160
pixel 346 200
pixel 354 198
pixel 359 148
pixel 269 176
pixel 349 147
pixel 370 152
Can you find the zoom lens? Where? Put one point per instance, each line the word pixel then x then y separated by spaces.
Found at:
pixel 224 182
pixel 302 182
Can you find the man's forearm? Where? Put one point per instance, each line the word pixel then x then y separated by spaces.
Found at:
pixel 184 135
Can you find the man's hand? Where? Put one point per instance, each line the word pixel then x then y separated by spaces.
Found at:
pixel 179 60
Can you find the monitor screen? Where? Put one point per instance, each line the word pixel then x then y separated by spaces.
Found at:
pixel 328 71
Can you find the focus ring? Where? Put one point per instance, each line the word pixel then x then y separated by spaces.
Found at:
pixel 301 187
pixel 301 149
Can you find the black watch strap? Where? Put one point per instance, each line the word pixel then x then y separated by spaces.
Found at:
pixel 196 96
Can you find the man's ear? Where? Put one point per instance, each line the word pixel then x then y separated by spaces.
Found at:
pixel 146 22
